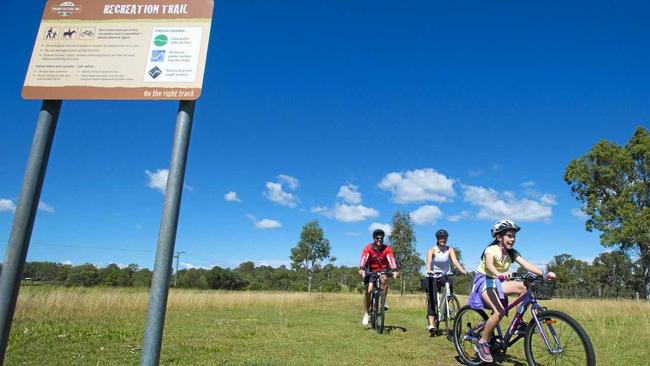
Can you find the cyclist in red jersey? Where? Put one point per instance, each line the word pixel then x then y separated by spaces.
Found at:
pixel 376 256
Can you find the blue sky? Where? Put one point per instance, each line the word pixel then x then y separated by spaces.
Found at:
pixel 345 112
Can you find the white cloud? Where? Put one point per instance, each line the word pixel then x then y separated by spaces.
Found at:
pixel 548 199
pixel 275 263
pixel 528 184
pixel 68 262
pixel 349 194
pixel 427 214
pixel 157 180
pixel 577 212
pixel 319 209
pixel 7 205
pixel 231 197
pixel 352 233
pixel 185 265
pixel 354 213
pixel 347 213
pixel 388 229
pixel 120 265
pixel 290 181
pixel 418 186
pixel 268 224
pixel 265 223
pixel 275 193
pixel 45 207
pixel 459 216
pixel 495 206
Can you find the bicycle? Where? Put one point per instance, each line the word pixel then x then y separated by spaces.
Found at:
pixel 448 304
pixel 550 337
pixel 377 311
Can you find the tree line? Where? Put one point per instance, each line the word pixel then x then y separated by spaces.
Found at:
pixel 610 275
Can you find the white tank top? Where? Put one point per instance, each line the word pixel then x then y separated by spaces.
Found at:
pixel 440 262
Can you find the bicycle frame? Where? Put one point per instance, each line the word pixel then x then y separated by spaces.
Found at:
pixel 441 298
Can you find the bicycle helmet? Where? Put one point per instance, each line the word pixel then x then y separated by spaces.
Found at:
pixel 503 225
pixel 442 233
pixel 378 232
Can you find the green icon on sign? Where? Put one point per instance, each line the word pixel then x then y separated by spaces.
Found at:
pixel 160 40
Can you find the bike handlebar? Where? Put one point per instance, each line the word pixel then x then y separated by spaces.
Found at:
pixel 379 273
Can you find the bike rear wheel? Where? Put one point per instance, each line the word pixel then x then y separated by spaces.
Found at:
pixel 467 332
pixel 381 312
pixel 453 305
pixel 569 342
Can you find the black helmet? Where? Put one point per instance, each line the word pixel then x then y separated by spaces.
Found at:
pixel 378 232
pixel 442 233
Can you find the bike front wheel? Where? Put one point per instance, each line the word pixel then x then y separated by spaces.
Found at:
pixel 568 343
pixel 468 328
pixel 381 312
pixel 373 309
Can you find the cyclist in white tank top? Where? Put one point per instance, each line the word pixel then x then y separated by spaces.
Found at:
pixel 439 259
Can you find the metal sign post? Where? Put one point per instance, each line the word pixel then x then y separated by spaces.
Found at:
pixel 168 43
pixel 167 237
pixel 21 231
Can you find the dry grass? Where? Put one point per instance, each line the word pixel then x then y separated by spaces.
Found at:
pixel 105 326
pixel 39 303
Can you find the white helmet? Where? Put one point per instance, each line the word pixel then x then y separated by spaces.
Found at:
pixel 504 225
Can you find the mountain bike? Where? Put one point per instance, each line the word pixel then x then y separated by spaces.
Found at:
pixel 377 311
pixel 550 337
pixel 448 304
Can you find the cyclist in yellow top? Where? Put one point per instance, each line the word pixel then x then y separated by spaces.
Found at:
pixel 488 290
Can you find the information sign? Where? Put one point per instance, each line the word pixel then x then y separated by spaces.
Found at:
pixel 120 49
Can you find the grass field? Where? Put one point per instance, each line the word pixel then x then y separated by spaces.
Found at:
pixel 104 326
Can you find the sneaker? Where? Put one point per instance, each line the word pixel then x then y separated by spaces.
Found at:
pixel 365 319
pixel 386 307
pixel 431 329
pixel 483 350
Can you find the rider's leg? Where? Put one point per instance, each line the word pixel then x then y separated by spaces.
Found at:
pixel 367 297
pixel 384 285
pixel 514 288
pixel 433 301
pixel 491 298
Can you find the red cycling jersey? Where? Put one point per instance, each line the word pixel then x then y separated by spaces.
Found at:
pixel 376 259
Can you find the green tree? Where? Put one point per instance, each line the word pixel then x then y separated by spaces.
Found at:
pixel 574 276
pixel 192 278
pixel 142 278
pixel 312 248
pixel 402 239
pixel 110 275
pixel 84 275
pixel 613 183
pixel 613 272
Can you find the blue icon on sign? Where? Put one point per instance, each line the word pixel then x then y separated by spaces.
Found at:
pixel 157 56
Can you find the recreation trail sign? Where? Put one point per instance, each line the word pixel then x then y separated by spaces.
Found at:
pixel 111 49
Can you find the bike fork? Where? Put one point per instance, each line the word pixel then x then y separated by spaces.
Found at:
pixel 553 350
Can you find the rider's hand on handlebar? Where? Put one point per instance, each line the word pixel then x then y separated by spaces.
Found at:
pixel 395 274
pixel 362 273
pixel 505 276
